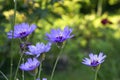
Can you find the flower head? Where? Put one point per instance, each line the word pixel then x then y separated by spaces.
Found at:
pixel 94 60
pixel 38 79
pixel 38 49
pixel 21 30
pixel 58 36
pixel 42 79
pixel 31 64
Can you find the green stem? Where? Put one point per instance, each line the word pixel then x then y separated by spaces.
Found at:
pixel 99 8
pixel 23 77
pixel 56 62
pixel 4 75
pixel 11 65
pixel 18 66
pixel 35 73
pixel 40 69
pixel 15 8
pixel 96 72
pixel 21 59
pixel 12 25
pixel 35 76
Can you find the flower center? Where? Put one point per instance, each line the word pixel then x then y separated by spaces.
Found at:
pixel 22 33
pixel 94 63
pixel 31 66
pixel 59 37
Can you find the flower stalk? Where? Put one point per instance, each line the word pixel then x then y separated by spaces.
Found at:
pixel 96 72
pixel 99 7
pixel 18 66
pixel 58 57
pixel 12 25
pixel 23 77
pixel 21 59
pixel 4 75
pixel 40 69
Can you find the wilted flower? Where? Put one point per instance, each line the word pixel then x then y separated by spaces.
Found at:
pixel 38 49
pixel 58 36
pixel 21 30
pixel 94 60
pixel 105 21
pixel 30 65
pixel 24 46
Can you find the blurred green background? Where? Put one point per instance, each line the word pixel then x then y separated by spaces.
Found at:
pixel 96 26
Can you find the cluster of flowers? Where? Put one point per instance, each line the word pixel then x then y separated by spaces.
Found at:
pixel 55 36
pixel 23 30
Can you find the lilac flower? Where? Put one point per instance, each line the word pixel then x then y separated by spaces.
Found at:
pixel 31 64
pixel 58 36
pixel 38 79
pixel 21 30
pixel 94 60
pixel 38 49
pixel 44 79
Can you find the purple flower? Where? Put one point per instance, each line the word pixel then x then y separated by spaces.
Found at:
pixel 42 79
pixel 38 79
pixel 58 36
pixel 94 60
pixel 21 30
pixel 31 64
pixel 38 49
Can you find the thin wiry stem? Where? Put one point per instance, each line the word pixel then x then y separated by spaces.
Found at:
pixel 21 59
pixel 56 62
pixel 4 75
pixel 99 8
pixel 18 66
pixel 23 77
pixel 40 69
pixel 35 76
pixel 96 72
pixel 12 25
